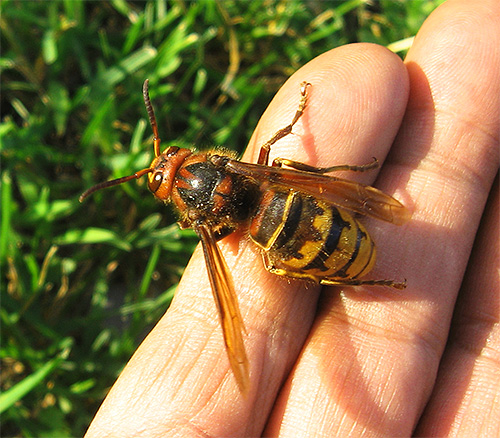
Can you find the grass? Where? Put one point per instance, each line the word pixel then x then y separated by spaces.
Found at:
pixel 82 284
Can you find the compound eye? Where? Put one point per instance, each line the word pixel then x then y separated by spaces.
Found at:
pixel 155 181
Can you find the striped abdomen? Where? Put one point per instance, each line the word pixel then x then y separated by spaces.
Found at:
pixel 306 238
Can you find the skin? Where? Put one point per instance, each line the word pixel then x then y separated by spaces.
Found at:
pixel 352 361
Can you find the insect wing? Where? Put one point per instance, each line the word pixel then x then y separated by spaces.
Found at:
pixel 354 196
pixel 227 304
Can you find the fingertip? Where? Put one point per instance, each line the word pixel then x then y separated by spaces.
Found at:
pixel 356 100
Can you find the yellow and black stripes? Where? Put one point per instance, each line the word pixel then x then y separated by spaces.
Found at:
pixel 306 238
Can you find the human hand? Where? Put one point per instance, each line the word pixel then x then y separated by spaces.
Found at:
pixel 356 360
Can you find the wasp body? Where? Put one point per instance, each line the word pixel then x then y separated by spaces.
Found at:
pixel 298 216
pixel 307 238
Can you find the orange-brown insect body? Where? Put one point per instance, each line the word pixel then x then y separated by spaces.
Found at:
pixel 202 191
pixel 298 216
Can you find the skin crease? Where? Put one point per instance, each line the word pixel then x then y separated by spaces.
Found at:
pixel 362 361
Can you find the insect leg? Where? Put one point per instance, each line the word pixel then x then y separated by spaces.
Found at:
pixel 268 264
pixel 273 269
pixel 266 147
pixel 278 162
pixel 356 282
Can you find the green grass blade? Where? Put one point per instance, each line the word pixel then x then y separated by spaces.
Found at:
pixel 18 391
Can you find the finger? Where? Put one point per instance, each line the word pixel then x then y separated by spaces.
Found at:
pixel 347 107
pixel 372 355
pixel 179 379
pixel 465 398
